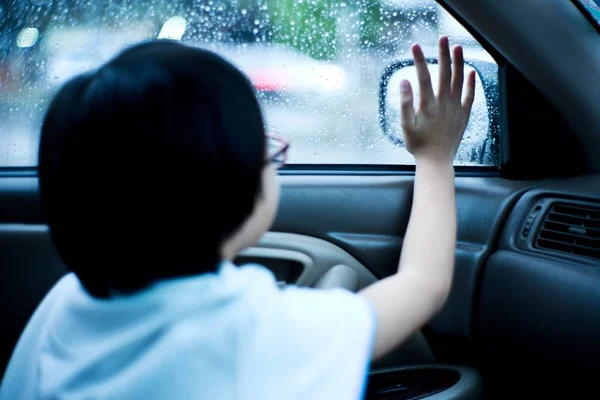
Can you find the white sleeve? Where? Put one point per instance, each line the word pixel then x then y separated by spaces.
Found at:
pixel 307 344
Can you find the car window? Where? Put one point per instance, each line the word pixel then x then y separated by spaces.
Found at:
pixel 316 64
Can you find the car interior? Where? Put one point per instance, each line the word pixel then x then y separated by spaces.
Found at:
pixel 523 315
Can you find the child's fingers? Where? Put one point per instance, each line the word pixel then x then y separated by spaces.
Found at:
pixel 407 107
pixel 445 69
pixel 457 73
pixel 470 92
pixel 425 88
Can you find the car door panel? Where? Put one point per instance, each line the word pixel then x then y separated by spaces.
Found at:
pixel 367 217
pixel 19 198
pixel 328 228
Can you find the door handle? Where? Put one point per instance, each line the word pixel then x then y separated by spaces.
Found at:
pixel 287 265
pixel 340 276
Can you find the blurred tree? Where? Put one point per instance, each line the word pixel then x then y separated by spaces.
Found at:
pixel 308 25
pixel 371 21
pixel 311 25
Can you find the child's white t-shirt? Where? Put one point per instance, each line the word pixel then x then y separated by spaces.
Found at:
pixel 227 335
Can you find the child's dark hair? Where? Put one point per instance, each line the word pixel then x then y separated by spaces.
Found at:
pixel 147 164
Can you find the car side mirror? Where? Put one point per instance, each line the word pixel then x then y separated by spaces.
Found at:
pixel 480 141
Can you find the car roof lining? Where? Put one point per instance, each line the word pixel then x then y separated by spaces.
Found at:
pixel 546 41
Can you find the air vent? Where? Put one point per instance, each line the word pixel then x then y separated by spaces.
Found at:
pixel 571 229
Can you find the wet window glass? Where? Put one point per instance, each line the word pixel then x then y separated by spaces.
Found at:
pixel 316 65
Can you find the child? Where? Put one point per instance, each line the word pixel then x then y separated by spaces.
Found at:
pixel 154 173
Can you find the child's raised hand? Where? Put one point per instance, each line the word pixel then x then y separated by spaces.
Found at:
pixel 434 131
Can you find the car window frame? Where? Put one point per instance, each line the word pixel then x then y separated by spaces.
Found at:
pixel 587 14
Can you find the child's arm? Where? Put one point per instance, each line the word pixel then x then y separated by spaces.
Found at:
pixel 404 302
